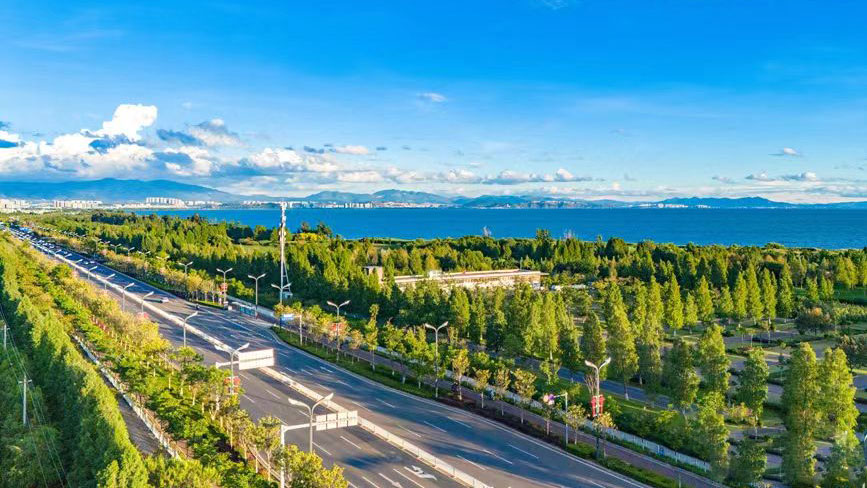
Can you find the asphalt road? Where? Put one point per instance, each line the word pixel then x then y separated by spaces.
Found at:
pixel 491 452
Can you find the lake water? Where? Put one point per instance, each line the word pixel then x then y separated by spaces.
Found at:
pixel 825 228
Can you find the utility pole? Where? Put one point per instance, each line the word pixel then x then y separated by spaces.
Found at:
pixel 225 285
pixel 123 302
pixel 24 397
pixel 310 413
pixel 595 403
pixel 283 275
pixel 188 317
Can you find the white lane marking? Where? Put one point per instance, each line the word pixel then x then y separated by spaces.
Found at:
pixel 474 464
pixel 525 452
pixel 360 405
pixel 371 482
pixel 241 326
pixel 291 370
pixel 349 441
pixel 302 412
pixel 411 432
pixel 248 398
pixel 321 449
pixel 501 458
pixel 386 478
pixel 408 478
pixel 458 421
pixel 434 426
pixel 385 403
pixel 323 368
pixel 342 383
pixel 273 394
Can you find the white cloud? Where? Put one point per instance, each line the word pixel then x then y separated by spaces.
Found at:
pixel 354 150
pixel 787 152
pixel 759 177
pixel 214 133
pixel 432 97
pixel 290 160
pixel 128 120
pixel 368 176
pixel 805 176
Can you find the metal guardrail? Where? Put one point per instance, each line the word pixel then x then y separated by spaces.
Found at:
pixel 151 423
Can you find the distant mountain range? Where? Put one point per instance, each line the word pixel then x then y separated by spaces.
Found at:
pixel 112 190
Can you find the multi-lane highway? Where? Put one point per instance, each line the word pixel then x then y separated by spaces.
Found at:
pixel 490 452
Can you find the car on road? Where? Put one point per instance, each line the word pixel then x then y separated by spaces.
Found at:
pixel 164 299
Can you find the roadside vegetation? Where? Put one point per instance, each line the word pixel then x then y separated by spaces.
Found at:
pixel 696 333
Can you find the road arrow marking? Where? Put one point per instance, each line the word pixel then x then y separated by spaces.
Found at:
pixel 395 484
pixel 420 472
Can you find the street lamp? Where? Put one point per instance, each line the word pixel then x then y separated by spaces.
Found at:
pixel 224 282
pixel 186 281
pixel 90 272
pixel 106 280
pixel 256 279
pixel 549 399
pixel 123 292
pixel 233 353
pixel 310 413
pixel 143 300
pixel 188 317
pixel 338 306
pixel 437 347
pixel 284 287
pixel 129 250
pixel 594 402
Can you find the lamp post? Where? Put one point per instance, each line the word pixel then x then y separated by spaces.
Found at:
pixel 594 402
pixel 145 297
pixel 188 317
pixel 233 353
pixel 437 347
pixel 549 399
pixel 284 287
pixel 90 273
pixel 224 282
pixel 106 280
pixel 256 279
pixel 129 251
pixel 310 410
pixel 123 293
pixel 338 306
pixel 186 281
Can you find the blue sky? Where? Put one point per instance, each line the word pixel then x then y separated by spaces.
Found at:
pixel 582 99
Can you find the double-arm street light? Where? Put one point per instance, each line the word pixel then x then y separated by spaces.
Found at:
pixel 186 281
pixel 287 287
pixel 256 279
pixel 437 348
pixel 336 306
pixel 123 292
pixel 310 410
pixel 188 317
pixel 225 289
pixel 594 385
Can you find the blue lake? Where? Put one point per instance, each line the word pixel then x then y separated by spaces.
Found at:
pixel 825 228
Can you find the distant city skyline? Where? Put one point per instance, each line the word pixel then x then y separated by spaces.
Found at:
pixel 577 99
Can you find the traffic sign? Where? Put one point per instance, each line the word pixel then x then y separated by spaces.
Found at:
pixel 336 420
pixel 262 358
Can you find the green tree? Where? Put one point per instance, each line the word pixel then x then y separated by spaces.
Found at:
pixel 704 301
pixel 371 334
pixel 739 298
pixel 482 376
pixel 709 426
pixel 769 299
pixel 593 345
pixel 839 466
pixel 460 365
pixel 752 388
pixel 755 308
pixel 800 390
pixel 812 291
pixel 621 341
pixel 785 293
pixel 502 379
pixel 680 376
pixel 655 306
pixel 525 386
pixel 690 311
pixel 713 361
pixel 459 312
pixel 673 305
pixel 725 306
pixel 748 464
pixel 836 401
